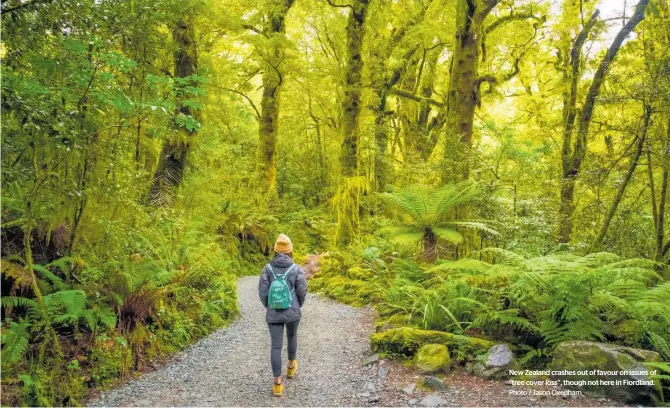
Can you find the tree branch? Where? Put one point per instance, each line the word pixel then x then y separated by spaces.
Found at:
pixel 254 29
pixel 29 4
pixel 340 5
pixel 509 18
pixel 258 114
pixel 409 95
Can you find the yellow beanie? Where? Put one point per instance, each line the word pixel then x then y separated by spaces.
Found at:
pixel 283 244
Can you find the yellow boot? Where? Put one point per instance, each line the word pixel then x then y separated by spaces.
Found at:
pixel 278 389
pixel 290 371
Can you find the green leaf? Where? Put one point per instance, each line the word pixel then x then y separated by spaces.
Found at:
pixel 449 234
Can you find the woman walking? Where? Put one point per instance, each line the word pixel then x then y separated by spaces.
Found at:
pixel 282 288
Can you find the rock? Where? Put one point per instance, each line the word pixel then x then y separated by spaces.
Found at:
pixel 369 387
pixel 409 390
pixel 383 372
pixel 407 340
pixel 312 265
pixel 432 401
pixel 413 401
pixel 496 363
pixel 374 398
pixel 431 358
pixel 371 359
pixel 578 355
pixel 364 394
pixel 432 383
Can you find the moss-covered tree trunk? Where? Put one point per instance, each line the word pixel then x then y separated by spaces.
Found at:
pixel 351 108
pixel 383 84
pixel 172 160
pixel 573 154
pixel 272 83
pixel 463 93
pixel 429 128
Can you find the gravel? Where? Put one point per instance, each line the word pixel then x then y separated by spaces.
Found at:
pixel 231 367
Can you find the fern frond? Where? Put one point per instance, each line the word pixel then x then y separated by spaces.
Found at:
pixel 47 274
pixel 449 234
pixel 15 340
pixel 661 345
pixel 504 256
pixel 596 259
pixel 478 225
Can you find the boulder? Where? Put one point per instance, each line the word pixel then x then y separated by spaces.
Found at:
pixel 616 363
pixel 431 383
pixel 496 363
pixel 431 358
pixel 407 340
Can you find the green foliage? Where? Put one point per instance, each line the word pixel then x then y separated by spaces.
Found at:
pixel 429 214
pixel 14 341
pixel 98 279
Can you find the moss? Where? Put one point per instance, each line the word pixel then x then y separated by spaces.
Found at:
pixel 353 292
pixel 584 356
pixel 431 358
pixel 629 331
pixel 360 273
pixel 406 341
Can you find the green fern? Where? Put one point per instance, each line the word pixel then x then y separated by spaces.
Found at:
pixel 426 215
pixel 15 340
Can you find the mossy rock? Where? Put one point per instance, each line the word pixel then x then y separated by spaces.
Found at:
pixel 407 340
pixel 629 331
pixel 582 357
pixel 431 358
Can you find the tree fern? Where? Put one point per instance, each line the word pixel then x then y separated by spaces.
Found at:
pixel 426 211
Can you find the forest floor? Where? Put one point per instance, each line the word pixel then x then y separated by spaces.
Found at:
pixel 232 368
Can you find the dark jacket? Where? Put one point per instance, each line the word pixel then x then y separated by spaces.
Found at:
pixel 297 283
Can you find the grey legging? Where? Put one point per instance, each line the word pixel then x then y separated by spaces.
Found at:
pixel 277 337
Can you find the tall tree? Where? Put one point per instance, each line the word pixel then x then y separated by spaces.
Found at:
pixel 463 95
pixel 383 79
pixel 350 185
pixel 574 151
pixel 274 31
pixel 172 160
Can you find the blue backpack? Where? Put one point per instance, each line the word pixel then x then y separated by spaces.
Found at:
pixel 280 295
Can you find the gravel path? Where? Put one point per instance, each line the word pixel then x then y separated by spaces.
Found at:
pixel 232 366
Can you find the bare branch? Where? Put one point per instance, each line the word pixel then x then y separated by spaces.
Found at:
pixel 258 114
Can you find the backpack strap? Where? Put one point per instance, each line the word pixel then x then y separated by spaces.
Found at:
pixel 285 274
pixel 272 271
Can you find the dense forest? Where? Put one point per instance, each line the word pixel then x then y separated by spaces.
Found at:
pixel 494 169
